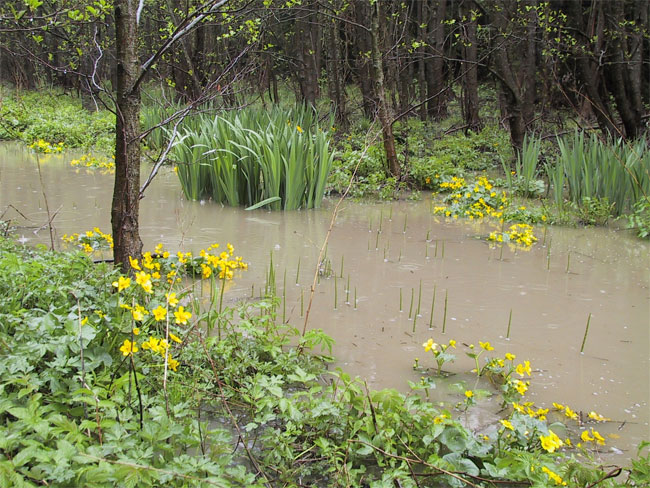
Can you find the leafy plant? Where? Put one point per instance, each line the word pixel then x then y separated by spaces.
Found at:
pixel 639 219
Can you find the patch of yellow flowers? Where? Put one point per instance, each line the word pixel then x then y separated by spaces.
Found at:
pixel 42 146
pixel 90 161
pixel 520 234
pixel 90 241
pixel 153 306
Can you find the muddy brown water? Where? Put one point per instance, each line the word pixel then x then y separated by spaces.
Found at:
pixel 551 289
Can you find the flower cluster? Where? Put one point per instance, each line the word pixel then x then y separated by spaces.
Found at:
pixel 519 234
pixel 43 146
pixel 439 352
pixel 153 307
pixel 472 200
pixel 90 241
pixel 90 161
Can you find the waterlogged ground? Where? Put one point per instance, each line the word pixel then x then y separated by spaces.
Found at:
pixel 384 249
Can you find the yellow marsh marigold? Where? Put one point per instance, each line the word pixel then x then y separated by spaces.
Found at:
pixel 430 346
pixel 159 313
pixel 144 280
pixel 122 283
pixel 128 347
pixel 469 393
pixel 523 369
pixel 551 442
pixel 182 316
pixel 507 424
pixel 554 476
pixel 175 338
pixel 171 299
pixel 486 346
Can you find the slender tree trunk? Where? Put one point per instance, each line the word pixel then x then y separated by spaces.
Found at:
pixel 383 112
pixel 422 92
pixel 470 69
pixel 126 194
pixel 619 75
pixel 435 68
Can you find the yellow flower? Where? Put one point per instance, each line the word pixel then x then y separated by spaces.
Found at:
pixel 175 338
pixel 554 476
pixel 507 424
pixel 521 387
pixel 430 345
pixel 522 369
pixel 144 280
pixel 84 321
pixel 139 312
pixel 152 343
pixel 486 346
pixel 452 343
pixel 299 129
pixel 570 413
pixel 136 331
pixel 558 406
pixel 182 316
pixel 122 283
pixel 206 271
pixel 469 393
pixel 510 357
pixel 159 313
pixel 598 438
pixel 550 442
pixel 172 363
pixel 171 299
pixel 517 407
pixel 134 264
pixel 128 347
pixel 586 437
pixel 598 418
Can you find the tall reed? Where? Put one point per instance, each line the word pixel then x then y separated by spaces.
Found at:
pixel 592 168
pixel 252 156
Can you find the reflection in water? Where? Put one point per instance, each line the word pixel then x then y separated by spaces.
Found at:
pixel 608 277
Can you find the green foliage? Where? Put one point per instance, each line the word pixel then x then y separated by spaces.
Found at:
pixel 55 118
pixel 595 211
pixel 639 219
pixel 523 180
pixel 596 169
pixel 78 411
pixel 245 157
pixel 474 151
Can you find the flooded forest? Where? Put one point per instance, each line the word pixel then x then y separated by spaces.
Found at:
pixel 346 243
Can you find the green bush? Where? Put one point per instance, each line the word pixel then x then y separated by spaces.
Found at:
pixel 56 118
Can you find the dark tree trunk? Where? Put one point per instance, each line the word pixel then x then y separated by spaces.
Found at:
pixel 620 73
pixel 470 69
pixel 335 84
pixel 308 53
pixel 126 194
pixel 363 45
pixel 587 70
pixel 422 92
pixel 435 66
pixel 529 82
pixel 383 112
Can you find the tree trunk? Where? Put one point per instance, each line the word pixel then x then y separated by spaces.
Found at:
pixel 383 112
pixel 435 67
pixel 470 69
pixel 126 193
pixel 587 69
